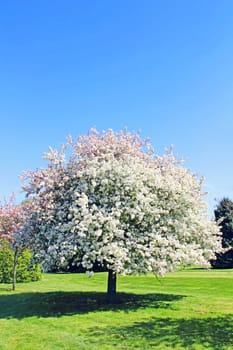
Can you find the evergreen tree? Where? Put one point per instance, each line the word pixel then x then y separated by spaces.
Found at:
pixel 224 213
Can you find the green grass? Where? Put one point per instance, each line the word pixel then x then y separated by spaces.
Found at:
pixel 190 309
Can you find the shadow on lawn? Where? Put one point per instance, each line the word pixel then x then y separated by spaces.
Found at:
pixel 168 333
pixel 56 304
pixel 5 289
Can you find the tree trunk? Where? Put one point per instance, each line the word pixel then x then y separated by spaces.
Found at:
pixel 111 294
pixel 15 268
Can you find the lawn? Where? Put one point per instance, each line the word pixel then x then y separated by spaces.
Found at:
pixel 190 309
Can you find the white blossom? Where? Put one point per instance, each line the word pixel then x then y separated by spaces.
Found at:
pixel 119 206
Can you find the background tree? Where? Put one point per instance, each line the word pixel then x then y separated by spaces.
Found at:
pixel 224 214
pixel 117 205
pixel 12 220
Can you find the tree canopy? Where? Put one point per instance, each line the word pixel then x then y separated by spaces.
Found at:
pixel 116 203
pixel 12 219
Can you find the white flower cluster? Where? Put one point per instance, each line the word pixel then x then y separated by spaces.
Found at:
pixel 119 206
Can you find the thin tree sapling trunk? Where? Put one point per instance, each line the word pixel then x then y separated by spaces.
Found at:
pixel 15 268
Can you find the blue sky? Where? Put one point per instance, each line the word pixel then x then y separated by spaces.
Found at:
pixel 164 67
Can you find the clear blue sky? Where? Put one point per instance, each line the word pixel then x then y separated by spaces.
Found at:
pixel 165 67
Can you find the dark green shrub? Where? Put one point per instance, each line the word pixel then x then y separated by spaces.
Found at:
pixel 27 271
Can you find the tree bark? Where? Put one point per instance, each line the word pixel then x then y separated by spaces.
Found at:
pixel 15 268
pixel 111 294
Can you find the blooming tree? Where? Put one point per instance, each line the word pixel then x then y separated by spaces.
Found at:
pixel 12 220
pixel 117 204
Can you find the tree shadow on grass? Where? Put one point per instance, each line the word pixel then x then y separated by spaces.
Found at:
pixel 56 304
pixel 169 333
pixel 2 289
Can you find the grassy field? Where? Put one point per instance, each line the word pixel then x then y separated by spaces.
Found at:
pixel 191 309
